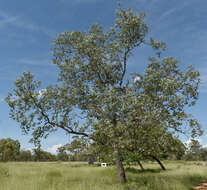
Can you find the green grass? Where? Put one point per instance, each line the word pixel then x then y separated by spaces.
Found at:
pixel 80 176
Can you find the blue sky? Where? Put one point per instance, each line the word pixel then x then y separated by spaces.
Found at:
pixel 28 27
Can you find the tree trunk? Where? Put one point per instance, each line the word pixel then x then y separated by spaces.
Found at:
pixel 140 165
pixel 120 167
pixel 159 162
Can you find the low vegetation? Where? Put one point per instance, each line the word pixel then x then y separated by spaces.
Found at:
pixel 79 176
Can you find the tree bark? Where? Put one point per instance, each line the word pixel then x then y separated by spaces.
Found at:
pixel 140 165
pixel 159 162
pixel 120 168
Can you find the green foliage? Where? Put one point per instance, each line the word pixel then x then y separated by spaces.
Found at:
pixel 115 111
pixel 25 155
pixel 63 156
pixel 9 149
pixel 195 151
pixel 40 155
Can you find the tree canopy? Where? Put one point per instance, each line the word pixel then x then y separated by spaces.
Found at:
pixel 95 97
pixel 9 149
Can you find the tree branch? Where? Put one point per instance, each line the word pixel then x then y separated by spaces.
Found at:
pixel 125 60
pixel 67 129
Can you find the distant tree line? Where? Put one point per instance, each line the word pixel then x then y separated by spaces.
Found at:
pixel 80 150
pixel 10 151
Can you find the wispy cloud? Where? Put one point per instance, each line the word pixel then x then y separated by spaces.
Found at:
pixel 1 99
pixel 7 19
pixel 80 1
pixel 173 10
pixel 165 19
pixel 35 62
pixel 203 86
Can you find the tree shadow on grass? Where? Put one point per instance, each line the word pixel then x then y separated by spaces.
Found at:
pixel 158 182
pixel 135 171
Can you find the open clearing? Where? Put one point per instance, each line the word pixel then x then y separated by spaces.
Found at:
pixel 80 176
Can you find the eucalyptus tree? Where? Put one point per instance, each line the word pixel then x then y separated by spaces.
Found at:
pixel 93 96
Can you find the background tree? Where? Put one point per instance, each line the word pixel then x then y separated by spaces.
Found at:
pixel 177 150
pixel 9 149
pixel 92 87
pixel 195 151
pixel 203 154
pixel 62 155
pixel 78 148
pixel 25 155
pixel 41 155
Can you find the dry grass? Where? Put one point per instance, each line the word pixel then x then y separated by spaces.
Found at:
pixel 80 176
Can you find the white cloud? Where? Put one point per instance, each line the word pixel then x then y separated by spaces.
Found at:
pixel 187 143
pixel 53 149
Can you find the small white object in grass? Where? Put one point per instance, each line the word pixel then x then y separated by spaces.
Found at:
pixel 104 165
pixel 137 78
pixel 204 164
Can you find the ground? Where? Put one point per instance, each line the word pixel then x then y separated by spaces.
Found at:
pixel 80 176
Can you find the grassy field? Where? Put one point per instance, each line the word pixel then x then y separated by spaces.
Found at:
pixel 80 176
